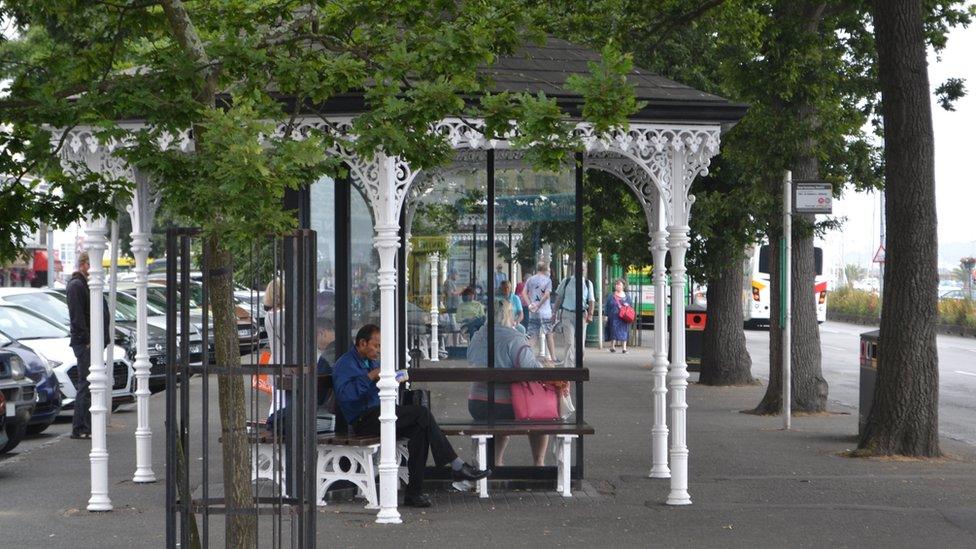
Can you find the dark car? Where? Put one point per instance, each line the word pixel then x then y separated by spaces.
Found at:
pixel 46 385
pixel 3 420
pixel 18 393
pixel 53 305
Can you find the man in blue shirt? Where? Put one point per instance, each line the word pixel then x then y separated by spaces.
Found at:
pixel 354 377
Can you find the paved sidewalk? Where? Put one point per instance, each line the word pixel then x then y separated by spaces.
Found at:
pixel 752 486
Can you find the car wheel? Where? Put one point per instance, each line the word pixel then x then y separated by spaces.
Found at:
pixel 37 429
pixel 15 433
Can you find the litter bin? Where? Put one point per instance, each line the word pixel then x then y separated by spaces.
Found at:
pixel 869 373
pixel 696 318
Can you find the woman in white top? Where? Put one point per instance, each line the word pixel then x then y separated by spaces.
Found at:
pixel 274 323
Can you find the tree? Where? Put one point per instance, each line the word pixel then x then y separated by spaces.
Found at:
pixel 965 274
pixel 221 69
pixel 904 417
pixel 853 273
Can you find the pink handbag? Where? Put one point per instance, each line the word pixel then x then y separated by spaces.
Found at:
pixel 534 400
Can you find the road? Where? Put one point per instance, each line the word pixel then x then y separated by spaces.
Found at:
pixel 840 343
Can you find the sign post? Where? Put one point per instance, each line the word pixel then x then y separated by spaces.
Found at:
pixel 786 305
pixel 813 198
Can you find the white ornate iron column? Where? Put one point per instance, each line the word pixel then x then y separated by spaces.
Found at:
pixel 386 181
pixel 434 260
pixel 691 151
pixel 141 212
pixel 659 362
pixel 678 244
pixel 141 246
pixel 97 377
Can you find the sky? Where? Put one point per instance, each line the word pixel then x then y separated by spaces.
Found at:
pixel 954 172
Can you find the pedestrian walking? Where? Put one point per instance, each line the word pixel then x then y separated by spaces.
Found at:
pixel 617 328
pixel 567 304
pixel 500 276
pixel 538 291
pixel 79 315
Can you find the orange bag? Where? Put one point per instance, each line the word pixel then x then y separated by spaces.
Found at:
pixel 262 382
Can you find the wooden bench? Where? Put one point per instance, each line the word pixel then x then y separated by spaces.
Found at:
pixel 565 433
pixel 480 433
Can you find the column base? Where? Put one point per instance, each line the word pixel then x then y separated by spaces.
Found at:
pixel 388 516
pixel 144 477
pixel 679 499
pixel 660 472
pixel 99 504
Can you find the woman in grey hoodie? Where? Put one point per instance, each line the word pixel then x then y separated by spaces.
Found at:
pixel 512 350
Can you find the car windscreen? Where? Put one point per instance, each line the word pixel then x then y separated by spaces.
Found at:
pixel 157 297
pixel 20 324
pixel 44 304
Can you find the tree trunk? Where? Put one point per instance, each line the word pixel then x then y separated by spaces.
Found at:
pixel 725 358
pixel 809 388
pixel 904 417
pixel 240 530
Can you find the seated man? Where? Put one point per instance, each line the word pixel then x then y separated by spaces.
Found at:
pixel 355 376
pixel 325 345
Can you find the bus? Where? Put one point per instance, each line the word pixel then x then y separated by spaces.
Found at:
pixel 640 288
pixel 755 294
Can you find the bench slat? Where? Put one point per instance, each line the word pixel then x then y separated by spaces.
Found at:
pixel 500 375
pixel 518 429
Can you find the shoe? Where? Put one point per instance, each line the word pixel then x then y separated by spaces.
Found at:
pixel 80 436
pixel 612 350
pixel 419 500
pixel 624 351
pixel 468 472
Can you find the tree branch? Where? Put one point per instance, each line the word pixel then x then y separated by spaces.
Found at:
pixel 188 38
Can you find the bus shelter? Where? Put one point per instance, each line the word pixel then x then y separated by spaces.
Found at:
pixel 391 238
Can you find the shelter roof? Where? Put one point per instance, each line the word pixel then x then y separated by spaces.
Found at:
pixel 546 67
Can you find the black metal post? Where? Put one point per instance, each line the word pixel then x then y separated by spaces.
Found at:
pixel 343 264
pixel 511 258
pixel 171 366
pixel 401 293
pixel 205 415
pixel 184 354
pixel 580 327
pixel 490 254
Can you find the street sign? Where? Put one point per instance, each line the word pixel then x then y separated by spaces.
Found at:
pixel 815 198
pixel 879 256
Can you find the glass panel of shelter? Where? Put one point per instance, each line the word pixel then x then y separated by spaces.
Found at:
pixel 533 222
pixel 322 219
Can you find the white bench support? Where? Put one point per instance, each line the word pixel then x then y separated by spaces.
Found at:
pixel 564 464
pixel 268 466
pixel 482 443
pixel 359 470
pixel 402 456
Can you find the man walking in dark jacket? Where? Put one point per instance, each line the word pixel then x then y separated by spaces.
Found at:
pixel 79 313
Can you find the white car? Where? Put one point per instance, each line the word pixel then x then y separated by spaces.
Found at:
pixel 52 341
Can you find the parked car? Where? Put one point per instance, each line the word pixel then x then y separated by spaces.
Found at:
pixel 247 329
pixel 53 305
pixel 51 341
pixel 18 393
pixel 958 295
pixel 46 387
pixel 3 420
